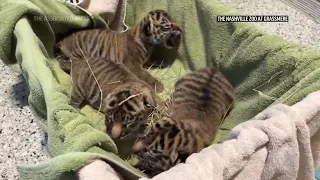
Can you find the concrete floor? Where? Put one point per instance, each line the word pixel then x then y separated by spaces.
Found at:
pixel 300 28
pixel 21 139
pixel 310 7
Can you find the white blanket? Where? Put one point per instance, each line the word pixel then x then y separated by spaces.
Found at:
pixel 112 11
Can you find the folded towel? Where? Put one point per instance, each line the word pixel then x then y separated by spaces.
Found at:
pixel 264 69
pixel 98 170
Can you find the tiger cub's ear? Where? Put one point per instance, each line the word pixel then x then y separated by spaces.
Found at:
pixel 110 102
pixel 114 99
pixel 146 27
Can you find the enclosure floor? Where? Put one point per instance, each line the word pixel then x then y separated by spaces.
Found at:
pixel 300 29
pixel 309 7
pixel 20 138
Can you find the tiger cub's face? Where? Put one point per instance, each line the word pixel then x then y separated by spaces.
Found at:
pixel 163 147
pixel 159 28
pixel 127 109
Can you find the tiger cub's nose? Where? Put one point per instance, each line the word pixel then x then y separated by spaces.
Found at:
pixel 116 130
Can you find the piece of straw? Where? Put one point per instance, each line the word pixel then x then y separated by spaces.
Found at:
pixel 101 97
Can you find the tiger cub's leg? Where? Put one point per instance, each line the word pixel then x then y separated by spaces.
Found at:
pixel 155 83
pixel 61 57
pixel 64 63
pixel 77 100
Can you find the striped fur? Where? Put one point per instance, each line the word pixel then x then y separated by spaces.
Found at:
pixel 117 84
pixel 133 48
pixel 199 103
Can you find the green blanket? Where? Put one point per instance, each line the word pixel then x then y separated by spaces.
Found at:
pixel 264 69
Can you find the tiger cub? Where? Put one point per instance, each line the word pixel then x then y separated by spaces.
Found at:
pixel 200 101
pixel 124 98
pixel 133 48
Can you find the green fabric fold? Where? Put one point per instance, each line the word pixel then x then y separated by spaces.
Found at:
pixel 264 69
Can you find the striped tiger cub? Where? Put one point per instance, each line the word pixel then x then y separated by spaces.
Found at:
pixel 200 101
pixel 133 48
pixel 123 97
